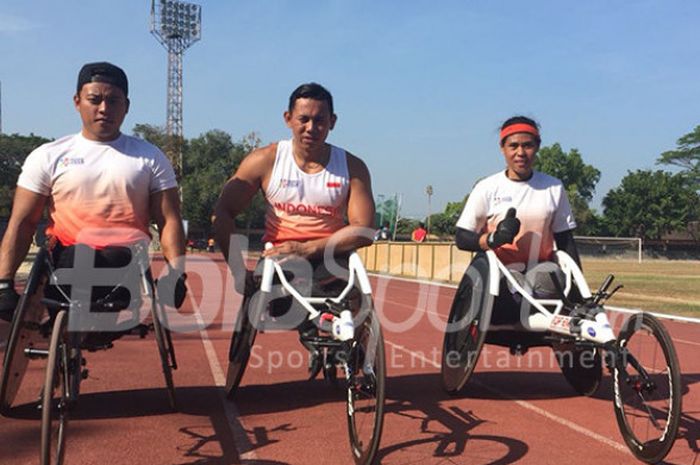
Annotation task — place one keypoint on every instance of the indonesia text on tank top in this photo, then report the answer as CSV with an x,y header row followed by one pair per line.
x,y
304,206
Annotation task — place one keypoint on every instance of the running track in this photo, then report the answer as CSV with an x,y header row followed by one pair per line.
x,y
514,409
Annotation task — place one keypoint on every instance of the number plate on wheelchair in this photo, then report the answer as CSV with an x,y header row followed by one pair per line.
x,y
560,323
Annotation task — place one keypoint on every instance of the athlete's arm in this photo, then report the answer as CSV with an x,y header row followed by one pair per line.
x,y
27,207
360,228
237,194
565,241
165,210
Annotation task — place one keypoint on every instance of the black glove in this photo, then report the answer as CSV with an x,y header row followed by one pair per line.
x,y
172,288
505,231
8,299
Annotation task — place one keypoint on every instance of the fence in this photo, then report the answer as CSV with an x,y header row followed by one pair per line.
x,y
441,261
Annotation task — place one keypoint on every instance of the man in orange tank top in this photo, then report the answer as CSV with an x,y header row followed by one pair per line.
x,y
304,215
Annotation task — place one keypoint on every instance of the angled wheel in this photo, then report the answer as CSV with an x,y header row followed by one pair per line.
x,y
55,399
647,388
24,332
242,341
466,326
165,350
366,374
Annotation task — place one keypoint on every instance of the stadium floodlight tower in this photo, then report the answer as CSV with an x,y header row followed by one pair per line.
x,y
177,25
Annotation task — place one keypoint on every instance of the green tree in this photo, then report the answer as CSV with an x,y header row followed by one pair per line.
x,y
14,149
444,223
209,160
686,156
579,180
649,204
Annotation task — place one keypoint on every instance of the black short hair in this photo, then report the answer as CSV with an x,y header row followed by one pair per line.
x,y
313,91
103,71
520,120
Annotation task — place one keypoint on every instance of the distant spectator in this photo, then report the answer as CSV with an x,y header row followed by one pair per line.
x,y
210,244
382,234
419,234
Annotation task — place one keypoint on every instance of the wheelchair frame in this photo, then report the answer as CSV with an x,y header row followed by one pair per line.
x,y
363,380
585,327
32,324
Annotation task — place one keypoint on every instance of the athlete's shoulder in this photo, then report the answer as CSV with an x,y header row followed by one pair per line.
x,y
545,180
356,167
262,155
258,163
141,146
491,181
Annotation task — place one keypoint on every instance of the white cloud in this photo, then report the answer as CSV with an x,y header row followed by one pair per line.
x,y
10,23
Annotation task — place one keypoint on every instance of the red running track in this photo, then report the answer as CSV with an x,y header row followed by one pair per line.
x,y
514,409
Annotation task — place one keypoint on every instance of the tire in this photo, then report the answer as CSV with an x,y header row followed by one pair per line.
x,y
242,341
165,351
466,326
581,366
55,398
653,391
365,389
24,331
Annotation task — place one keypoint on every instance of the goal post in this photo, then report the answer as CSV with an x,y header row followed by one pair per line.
x,y
611,247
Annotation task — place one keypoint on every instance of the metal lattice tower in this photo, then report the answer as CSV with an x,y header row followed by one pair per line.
x,y
177,25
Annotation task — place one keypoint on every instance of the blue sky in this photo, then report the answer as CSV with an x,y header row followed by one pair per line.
x,y
420,87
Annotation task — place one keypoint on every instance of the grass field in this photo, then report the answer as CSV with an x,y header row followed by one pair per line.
x,y
665,286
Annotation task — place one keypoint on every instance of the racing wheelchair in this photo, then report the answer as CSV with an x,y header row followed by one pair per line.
x,y
341,331
641,358
44,327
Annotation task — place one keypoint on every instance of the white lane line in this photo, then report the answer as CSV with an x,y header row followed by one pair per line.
x,y
240,437
527,405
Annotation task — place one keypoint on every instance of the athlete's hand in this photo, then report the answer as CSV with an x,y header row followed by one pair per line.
x,y
8,299
505,231
172,288
287,248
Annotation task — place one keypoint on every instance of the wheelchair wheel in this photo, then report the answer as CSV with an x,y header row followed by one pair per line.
x,y
366,373
466,326
581,366
165,350
242,341
647,388
55,397
24,332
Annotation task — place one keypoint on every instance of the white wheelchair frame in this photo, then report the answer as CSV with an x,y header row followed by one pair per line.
x,y
356,270
598,331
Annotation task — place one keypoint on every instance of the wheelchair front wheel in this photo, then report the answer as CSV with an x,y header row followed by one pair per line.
x,y
242,341
647,388
365,375
467,325
55,399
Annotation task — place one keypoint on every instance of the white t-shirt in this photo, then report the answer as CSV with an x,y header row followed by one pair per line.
x,y
541,206
303,206
98,191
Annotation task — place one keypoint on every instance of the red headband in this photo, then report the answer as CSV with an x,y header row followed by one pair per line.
x,y
519,127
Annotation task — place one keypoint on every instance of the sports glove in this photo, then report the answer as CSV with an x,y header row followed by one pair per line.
x,y
8,299
172,288
505,232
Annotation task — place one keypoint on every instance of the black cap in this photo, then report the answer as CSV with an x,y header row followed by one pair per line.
x,y
103,72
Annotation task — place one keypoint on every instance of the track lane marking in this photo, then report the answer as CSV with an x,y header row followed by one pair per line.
x,y
562,421
240,437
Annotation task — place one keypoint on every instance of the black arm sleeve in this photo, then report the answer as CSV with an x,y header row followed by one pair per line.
x,y
467,240
565,242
